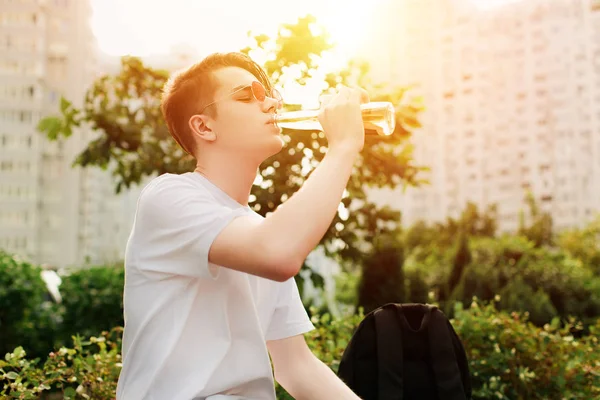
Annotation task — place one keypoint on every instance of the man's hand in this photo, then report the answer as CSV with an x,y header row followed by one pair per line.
x,y
341,118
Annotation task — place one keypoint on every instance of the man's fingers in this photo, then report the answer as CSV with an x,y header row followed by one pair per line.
x,y
364,96
325,99
345,93
355,96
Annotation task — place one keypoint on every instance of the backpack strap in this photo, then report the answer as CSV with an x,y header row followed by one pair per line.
x,y
389,353
448,378
422,310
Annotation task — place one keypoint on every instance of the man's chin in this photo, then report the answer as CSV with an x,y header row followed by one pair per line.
x,y
274,147
278,145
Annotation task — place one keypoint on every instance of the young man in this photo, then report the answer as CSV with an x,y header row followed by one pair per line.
x,y
209,289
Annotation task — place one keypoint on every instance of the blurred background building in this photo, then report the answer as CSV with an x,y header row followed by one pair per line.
x,y
512,93
49,212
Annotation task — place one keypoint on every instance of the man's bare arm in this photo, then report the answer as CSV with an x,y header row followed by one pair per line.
x,y
276,247
302,374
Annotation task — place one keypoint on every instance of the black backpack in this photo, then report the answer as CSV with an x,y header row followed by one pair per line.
x,y
406,352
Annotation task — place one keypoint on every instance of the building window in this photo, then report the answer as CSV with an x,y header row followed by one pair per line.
x,y
6,166
25,116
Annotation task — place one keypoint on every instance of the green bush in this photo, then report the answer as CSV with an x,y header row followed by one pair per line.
x,y
87,370
26,317
544,281
509,358
519,296
382,278
583,244
416,287
346,288
92,300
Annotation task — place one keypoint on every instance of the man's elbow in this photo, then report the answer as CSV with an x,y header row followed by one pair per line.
x,y
282,266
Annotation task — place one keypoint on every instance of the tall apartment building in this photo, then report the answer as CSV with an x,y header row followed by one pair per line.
x,y
50,212
513,103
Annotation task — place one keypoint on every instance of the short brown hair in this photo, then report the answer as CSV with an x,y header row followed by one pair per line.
x,y
186,91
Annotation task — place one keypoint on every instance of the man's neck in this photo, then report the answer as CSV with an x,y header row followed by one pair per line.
x,y
234,177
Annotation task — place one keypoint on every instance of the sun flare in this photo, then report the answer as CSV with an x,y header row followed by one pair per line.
x,y
346,26
204,26
121,28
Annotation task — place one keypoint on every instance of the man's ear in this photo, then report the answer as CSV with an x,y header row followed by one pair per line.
x,y
200,126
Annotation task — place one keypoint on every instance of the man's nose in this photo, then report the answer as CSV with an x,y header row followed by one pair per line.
x,y
270,104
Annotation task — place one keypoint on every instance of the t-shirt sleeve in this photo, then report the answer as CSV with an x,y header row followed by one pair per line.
x,y
175,226
290,317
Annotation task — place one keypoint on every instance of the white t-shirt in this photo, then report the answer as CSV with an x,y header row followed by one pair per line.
x,y
195,330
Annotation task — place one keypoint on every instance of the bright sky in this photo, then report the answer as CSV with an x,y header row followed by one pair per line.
x,y
142,27
489,4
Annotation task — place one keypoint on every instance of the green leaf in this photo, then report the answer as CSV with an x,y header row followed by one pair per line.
x,y
64,105
317,280
12,375
69,393
51,126
19,352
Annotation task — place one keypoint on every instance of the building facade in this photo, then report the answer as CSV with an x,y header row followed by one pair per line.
x,y
512,92
50,212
